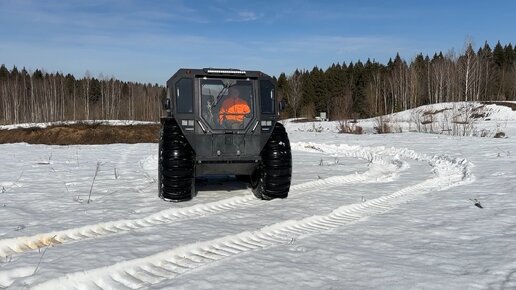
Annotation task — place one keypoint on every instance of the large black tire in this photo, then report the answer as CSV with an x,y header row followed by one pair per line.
x,y
272,177
176,167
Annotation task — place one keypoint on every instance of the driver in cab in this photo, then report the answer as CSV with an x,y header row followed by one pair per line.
x,y
233,110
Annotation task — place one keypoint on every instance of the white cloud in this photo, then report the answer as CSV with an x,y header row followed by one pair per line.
x,y
243,16
334,44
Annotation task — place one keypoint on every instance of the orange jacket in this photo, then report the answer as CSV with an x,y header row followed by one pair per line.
x,y
233,109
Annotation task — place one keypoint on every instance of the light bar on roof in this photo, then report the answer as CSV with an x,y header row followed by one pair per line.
x,y
225,71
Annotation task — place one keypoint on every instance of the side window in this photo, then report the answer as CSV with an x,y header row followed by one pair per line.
x,y
267,97
184,96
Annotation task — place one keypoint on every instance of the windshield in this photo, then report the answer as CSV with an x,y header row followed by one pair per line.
x,y
226,103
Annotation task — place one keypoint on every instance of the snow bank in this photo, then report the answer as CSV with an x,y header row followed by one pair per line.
x,y
466,118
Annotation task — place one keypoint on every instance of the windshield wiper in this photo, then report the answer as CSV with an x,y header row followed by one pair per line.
x,y
221,93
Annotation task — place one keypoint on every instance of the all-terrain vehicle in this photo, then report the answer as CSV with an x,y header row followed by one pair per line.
x,y
222,122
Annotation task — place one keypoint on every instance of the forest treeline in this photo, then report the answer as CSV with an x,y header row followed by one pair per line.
x,y
351,90
358,90
45,97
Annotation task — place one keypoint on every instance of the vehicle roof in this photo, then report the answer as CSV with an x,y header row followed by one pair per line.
x,y
219,72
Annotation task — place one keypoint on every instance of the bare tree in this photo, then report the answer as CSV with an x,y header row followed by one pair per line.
x,y
343,104
376,88
469,73
87,78
294,91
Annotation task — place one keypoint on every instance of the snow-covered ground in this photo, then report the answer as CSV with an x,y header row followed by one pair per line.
x,y
389,211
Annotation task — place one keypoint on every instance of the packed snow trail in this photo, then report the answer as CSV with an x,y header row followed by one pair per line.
x,y
143,272
379,171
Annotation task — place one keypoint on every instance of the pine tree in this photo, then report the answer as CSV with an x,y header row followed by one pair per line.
x,y
357,95
4,73
499,55
509,55
95,91
14,71
419,81
37,74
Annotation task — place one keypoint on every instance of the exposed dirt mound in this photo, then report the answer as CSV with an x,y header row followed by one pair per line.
x,y
303,120
83,134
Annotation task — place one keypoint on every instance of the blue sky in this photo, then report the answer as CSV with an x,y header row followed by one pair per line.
x,y
147,41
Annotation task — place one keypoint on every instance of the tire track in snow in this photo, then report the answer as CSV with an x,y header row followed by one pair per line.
x,y
9,276
378,171
143,272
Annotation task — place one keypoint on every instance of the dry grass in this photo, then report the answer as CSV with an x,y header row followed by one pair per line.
x,y
347,127
385,125
83,134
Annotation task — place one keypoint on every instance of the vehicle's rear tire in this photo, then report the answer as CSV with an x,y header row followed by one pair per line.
x,y
176,165
242,178
272,177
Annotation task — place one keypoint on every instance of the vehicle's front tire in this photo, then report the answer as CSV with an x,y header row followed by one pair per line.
x,y
272,177
176,165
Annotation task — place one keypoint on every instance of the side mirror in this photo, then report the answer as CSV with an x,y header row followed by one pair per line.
x,y
282,105
166,104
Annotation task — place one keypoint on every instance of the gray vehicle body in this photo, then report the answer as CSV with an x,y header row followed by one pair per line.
x,y
219,149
